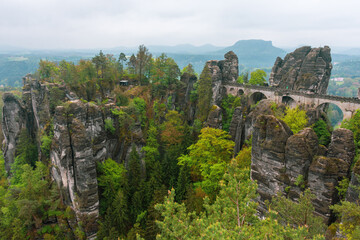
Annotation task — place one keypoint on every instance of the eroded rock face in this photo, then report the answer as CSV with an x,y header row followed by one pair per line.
x,y
300,150
280,158
268,156
323,177
221,72
342,145
352,194
306,69
214,118
13,121
183,100
73,158
230,67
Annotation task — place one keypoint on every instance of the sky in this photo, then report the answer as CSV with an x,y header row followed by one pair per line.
x,y
81,24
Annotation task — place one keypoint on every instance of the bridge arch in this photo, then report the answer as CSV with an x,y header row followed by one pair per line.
x,y
333,111
288,101
256,97
240,92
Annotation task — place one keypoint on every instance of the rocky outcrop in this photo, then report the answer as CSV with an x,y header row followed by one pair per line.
x,y
323,177
300,150
214,118
268,156
13,121
74,159
230,67
353,191
282,162
183,97
243,121
342,145
221,72
306,69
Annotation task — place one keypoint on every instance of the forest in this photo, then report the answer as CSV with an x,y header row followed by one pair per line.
x,y
186,182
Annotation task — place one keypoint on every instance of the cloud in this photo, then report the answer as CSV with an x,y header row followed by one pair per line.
x,y
110,23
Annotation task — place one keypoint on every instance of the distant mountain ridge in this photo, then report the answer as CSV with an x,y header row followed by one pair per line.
x,y
253,53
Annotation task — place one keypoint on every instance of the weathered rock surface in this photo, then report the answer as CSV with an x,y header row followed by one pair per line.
x,y
72,156
268,156
183,100
214,118
353,192
323,177
13,121
342,145
306,69
237,129
222,71
279,158
230,67
299,152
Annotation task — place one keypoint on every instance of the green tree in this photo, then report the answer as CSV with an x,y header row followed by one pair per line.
x,y
188,69
143,58
295,118
204,92
353,124
257,77
322,131
208,158
231,216
299,214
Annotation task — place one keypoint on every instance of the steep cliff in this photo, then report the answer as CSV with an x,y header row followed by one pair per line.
x,y
80,140
221,72
306,69
290,163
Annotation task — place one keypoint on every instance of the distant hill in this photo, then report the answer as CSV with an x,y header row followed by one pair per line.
x,y
255,53
17,62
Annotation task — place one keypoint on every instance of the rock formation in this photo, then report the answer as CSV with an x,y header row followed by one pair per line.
x,y
221,72
14,120
268,156
280,159
80,140
306,69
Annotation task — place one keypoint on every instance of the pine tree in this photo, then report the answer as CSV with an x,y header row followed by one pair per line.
x,y
204,94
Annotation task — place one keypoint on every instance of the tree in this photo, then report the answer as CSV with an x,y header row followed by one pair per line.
x,y
243,78
132,64
257,77
231,216
298,214
322,131
188,69
204,92
143,58
122,61
353,124
295,118
208,158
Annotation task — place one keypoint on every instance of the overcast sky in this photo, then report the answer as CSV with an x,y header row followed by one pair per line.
x,y
103,24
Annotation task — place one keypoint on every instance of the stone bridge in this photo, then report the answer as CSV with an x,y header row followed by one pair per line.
x,y
347,105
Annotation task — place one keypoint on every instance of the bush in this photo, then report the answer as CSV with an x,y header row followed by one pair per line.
x,y
321,130
295,118
109,125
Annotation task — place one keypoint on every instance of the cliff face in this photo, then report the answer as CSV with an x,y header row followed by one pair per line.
x,y
14,120
306,69
80,140
281,160
221,72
